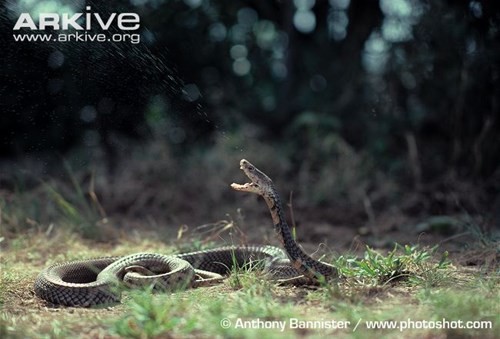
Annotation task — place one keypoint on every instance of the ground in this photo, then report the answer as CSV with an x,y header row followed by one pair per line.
x,y
444,270
246,304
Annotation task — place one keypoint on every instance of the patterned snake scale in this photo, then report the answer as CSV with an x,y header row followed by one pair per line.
x,y
92,282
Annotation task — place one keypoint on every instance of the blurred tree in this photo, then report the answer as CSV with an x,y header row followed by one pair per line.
x,y
415,83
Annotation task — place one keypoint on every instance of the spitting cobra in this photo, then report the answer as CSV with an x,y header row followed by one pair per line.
x,y
92,282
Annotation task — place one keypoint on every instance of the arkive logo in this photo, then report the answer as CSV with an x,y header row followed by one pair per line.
x,y
78,27
65,21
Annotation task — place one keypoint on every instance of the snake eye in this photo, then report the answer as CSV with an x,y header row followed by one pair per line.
x,y
250,168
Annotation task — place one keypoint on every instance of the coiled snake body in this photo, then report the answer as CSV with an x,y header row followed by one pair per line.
x,y
92,282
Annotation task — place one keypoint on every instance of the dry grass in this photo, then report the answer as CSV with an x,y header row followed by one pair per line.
x,y
24,315
152,202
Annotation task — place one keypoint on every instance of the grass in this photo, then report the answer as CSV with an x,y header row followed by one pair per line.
x,y
400,287
184,314
404,286
411,264
75,208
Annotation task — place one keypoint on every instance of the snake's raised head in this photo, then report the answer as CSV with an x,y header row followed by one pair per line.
x,y
260,183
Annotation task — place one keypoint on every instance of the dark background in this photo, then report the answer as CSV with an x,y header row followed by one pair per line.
x,y
362,108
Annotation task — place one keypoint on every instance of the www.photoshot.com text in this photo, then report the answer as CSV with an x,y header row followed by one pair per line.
x,y
345,325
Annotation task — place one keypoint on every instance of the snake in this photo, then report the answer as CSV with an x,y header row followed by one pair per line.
x,y
91,282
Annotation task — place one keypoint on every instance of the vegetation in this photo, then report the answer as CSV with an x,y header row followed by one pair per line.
x,y
398,80
377,121
420,288
404,286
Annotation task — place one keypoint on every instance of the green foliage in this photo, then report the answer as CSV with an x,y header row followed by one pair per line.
x,y
466,305
466,294
14,212
150,316
485,239
78,212
247,275
246,67
7,327
403,262
53,204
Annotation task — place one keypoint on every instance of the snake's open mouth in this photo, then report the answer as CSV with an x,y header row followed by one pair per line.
x,y
251,187
247,187
239,187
